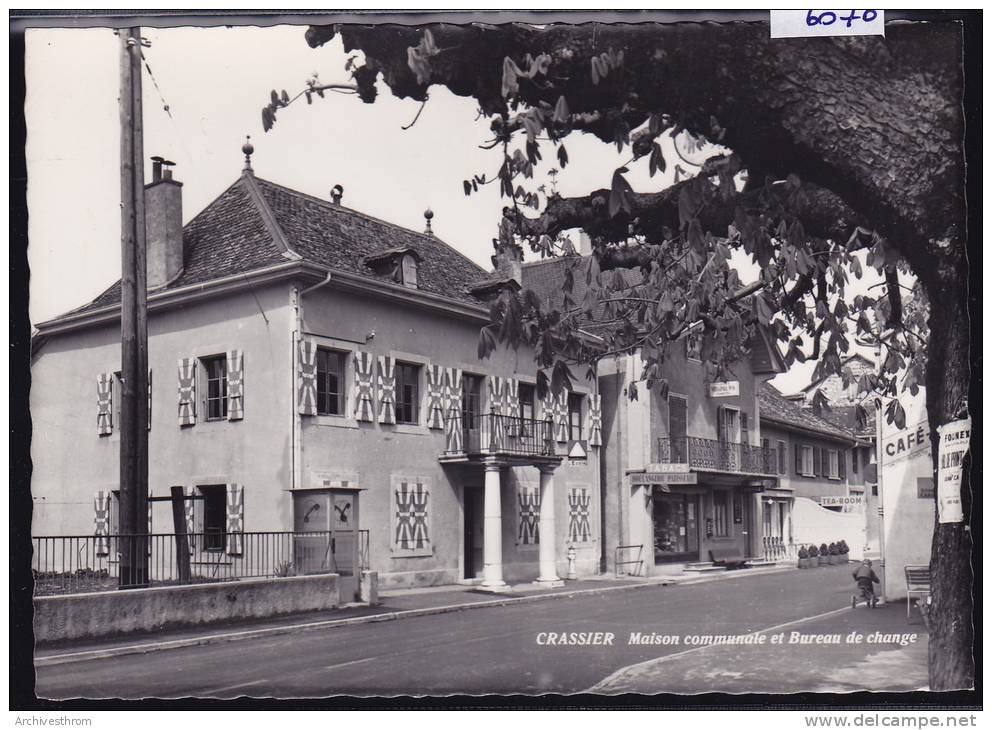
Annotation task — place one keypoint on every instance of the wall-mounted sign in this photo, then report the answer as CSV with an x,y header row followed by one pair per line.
x,y
727,389
667,468
663,478
954,439
924,487
577,453
906,443
852,500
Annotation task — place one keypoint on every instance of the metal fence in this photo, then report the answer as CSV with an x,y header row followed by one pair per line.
x,y
495,433
83,563
703,453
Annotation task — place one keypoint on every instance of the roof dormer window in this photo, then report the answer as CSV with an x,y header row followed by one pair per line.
x,y
399,264
408,271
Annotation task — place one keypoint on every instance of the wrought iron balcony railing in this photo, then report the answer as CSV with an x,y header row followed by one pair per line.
x,y
716,455
494,433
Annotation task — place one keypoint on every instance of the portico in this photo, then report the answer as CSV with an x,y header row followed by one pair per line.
x,y
496,446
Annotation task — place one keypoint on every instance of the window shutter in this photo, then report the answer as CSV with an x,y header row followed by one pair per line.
x,y
561,416
187,391
364,409
453,391
594,423
387,389
745,433
434,399
306,377
495,387
841,464
721,424
101,521
511,397
817,461
235,518
235,385
799,458
105,404
188,514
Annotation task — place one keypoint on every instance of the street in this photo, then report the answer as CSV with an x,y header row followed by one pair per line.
x,y
497,650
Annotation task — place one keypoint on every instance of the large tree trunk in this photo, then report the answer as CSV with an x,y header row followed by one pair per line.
x,y
952,631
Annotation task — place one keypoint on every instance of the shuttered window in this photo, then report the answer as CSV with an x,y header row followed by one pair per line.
x,y
574,416
330,382
781,457
407,393
215,372
678,416
214,515
471,400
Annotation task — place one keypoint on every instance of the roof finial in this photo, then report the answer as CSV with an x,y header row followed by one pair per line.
x,y
247,148
428,214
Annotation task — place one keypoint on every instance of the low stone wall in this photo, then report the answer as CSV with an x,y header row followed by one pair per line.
x,y
112,613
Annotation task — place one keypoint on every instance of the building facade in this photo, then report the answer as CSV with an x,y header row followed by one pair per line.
x,y
313,369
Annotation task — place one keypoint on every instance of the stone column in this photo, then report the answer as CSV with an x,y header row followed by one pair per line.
x,y
548,536
492,557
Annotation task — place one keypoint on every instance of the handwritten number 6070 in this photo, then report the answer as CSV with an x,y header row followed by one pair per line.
x,y
828,17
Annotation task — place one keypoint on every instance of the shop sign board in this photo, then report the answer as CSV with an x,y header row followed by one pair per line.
x,y
727,389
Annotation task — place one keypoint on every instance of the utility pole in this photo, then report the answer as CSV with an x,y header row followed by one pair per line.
x,y
134,323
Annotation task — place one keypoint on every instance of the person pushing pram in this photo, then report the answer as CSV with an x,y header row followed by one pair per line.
x,y
865,578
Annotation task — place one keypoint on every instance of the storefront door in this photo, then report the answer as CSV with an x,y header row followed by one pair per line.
x,y
676,527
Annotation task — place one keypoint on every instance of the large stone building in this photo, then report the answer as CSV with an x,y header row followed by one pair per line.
x,y
312,368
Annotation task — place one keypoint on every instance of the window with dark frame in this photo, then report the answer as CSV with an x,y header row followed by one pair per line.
x,y
407,393
215,372
330,382
471,400
574,416
781,457
214,515
678,416
694,347
720,513
525,396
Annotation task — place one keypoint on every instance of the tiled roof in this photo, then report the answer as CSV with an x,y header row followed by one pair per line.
x,y
547,279
340,238
776,407
230,237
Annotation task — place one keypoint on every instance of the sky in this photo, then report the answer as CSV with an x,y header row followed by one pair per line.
x,y
215,83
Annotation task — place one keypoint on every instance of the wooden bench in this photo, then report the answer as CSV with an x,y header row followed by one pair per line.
x,y
728,558
918,582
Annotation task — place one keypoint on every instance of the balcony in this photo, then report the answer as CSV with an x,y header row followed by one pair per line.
x,y
522,440
722,456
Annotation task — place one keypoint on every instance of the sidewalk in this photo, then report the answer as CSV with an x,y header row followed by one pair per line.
x,y
394,605
896,661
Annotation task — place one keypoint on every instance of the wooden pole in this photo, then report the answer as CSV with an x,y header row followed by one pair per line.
x,y
134,338
179,528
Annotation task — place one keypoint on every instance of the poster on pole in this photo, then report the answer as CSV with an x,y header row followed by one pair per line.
x,y
954,437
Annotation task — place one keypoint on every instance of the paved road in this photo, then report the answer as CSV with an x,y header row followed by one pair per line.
x,y
480,651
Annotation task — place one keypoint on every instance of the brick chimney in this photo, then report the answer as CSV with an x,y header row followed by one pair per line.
x,y
163,224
